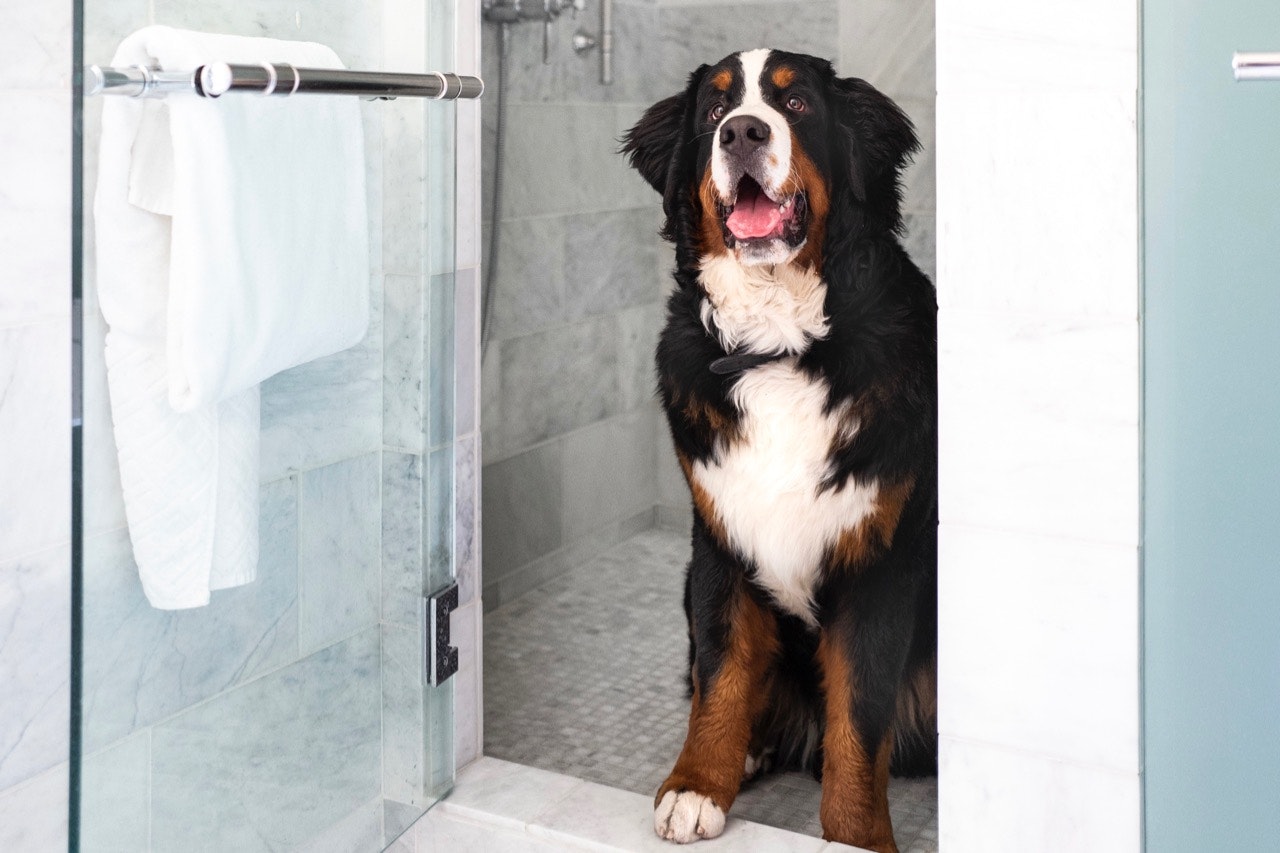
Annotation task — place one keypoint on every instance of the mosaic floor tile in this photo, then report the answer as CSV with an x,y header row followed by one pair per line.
x,y
584,675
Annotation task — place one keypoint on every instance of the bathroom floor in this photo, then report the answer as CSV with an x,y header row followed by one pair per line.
x,y
584,676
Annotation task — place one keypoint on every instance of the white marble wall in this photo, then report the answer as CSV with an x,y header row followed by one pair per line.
x,y
35,416
1038,362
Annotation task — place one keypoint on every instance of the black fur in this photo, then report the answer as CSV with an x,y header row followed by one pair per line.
x,y
881,352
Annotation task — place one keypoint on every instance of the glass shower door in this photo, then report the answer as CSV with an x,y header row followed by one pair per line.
x,y
295,711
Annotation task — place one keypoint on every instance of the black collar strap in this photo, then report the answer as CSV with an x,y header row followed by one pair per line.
x,y
740,361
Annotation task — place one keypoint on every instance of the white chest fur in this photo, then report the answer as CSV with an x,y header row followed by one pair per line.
x,y
762,309
765,484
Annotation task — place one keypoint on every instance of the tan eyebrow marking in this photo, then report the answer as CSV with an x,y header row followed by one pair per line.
x,y
723,79
783,76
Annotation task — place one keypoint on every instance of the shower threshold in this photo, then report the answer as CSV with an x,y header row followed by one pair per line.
x,y
501,806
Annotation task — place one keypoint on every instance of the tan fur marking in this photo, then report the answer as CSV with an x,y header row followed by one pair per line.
x,y
871,537
703,503
720,723
855,785
783,76
711,237
723,79
805,176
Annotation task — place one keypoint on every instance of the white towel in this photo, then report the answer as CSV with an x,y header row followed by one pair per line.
x,y
232,244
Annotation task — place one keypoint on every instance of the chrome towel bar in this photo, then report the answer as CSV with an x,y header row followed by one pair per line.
x,y
1256,66
219,78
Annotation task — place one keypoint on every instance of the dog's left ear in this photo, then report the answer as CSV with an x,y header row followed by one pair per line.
x,y
877,139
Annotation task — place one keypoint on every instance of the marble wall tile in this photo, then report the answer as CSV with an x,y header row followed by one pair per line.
x,y
889,43
359,830
466,330
693,35
403,514
339,551
404,177
260,767
918,181
921,242
529,287
142,664
468,636
397,820
35,420
106,25
115,797
466,520
470,188
404,382
1074,148
328,409
35,44
35,662
673,490
558,380
638,330
35,207
440,359
353,31
991,798
608,261
402,714
1011,603
608,471
491,422
1039,425
33,815
522,509
564,160
438,531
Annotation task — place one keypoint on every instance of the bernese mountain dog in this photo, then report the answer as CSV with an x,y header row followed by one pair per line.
x,y
798,372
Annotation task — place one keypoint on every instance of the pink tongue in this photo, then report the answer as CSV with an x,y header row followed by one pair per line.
x,y
754,217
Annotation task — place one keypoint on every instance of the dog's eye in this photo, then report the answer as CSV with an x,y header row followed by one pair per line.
x,y
716,113
796,104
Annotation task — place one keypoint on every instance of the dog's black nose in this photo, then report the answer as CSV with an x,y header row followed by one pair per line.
x,y
741,135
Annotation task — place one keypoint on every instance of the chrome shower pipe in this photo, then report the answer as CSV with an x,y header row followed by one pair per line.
x,y
606,42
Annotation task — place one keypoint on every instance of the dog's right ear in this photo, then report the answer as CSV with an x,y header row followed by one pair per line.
x,y
653,144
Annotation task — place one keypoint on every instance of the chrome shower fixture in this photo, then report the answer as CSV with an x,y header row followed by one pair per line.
x,y
515,11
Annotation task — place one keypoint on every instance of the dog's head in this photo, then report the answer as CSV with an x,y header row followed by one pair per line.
x,y
753,154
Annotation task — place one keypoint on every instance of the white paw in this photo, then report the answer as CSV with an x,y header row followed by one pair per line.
x,y
687,816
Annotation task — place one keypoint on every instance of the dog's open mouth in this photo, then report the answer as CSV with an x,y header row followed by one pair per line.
x,y
755,215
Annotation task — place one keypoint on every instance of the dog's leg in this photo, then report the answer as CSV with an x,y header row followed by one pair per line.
x,y
862,652
735,638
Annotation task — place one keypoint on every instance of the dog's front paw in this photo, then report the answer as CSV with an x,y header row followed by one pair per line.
x,y
684,816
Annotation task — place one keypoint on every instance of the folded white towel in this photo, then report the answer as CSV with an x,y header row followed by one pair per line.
x,y
231,244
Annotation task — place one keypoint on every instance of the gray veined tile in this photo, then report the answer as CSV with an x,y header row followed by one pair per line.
x,y
890,43
609,473
35,454
529,287
440,359
609,261
465,524
438,530
339,550
402,714
521,510
33,815
261,767
360,830
404,394
558,380
638,330
142,664
467,346
403,568
328,409
115,797
35,661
